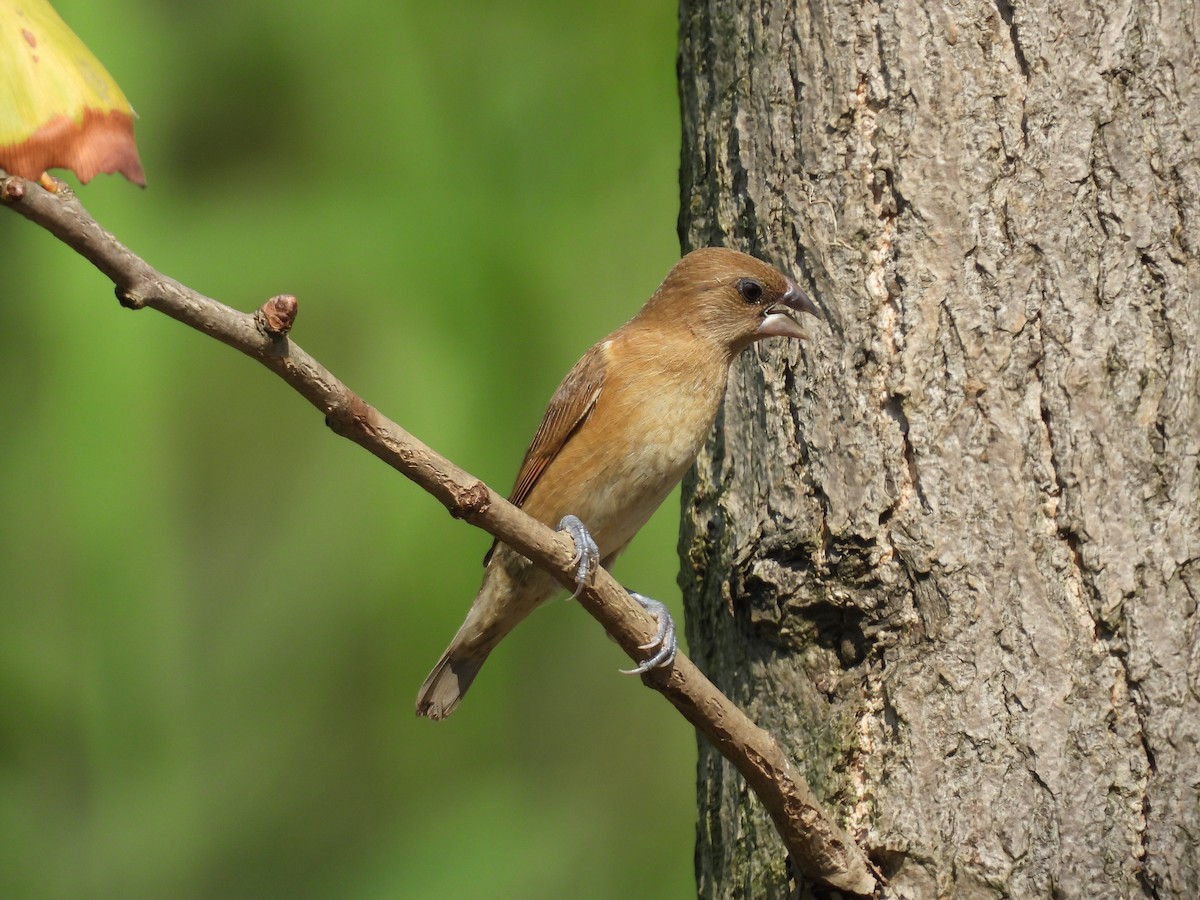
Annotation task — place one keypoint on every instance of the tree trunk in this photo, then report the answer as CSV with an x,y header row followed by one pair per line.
x,y
949,550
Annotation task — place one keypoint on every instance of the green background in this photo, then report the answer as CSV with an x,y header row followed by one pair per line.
x,y
216,613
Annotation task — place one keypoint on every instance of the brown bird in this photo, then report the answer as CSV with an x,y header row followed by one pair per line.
x,y
620,431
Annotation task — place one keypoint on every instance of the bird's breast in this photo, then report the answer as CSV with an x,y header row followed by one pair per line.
x,y
629,454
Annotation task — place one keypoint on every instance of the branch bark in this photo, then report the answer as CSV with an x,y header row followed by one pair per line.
x,y
819,848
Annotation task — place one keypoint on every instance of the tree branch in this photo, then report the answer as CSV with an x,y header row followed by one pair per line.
x,y
819,848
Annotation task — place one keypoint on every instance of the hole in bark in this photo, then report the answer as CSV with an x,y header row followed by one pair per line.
x,y
888,860
832,627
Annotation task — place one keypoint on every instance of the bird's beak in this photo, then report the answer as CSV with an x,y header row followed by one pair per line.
x,y
780,318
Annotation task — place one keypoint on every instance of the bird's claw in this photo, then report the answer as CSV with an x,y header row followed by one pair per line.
x,y
664,638
587,554
587,557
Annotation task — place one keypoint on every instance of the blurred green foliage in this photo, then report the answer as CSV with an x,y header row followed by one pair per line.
x,y
216,613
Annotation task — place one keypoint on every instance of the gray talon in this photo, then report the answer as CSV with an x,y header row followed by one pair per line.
x,y
587,554
664,638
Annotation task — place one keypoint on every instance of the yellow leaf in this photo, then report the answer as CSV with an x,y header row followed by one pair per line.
x,y
59,108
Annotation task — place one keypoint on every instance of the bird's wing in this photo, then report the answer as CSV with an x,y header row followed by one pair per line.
x,y
569,408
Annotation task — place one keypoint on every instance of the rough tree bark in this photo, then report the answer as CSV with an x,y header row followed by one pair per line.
x,y
949,552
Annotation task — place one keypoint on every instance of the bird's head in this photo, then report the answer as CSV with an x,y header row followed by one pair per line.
x,y
730,299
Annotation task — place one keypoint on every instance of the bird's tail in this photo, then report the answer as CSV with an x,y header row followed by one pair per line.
x,y
449,680
511,590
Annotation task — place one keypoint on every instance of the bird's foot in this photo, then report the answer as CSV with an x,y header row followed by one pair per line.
x,y
587,554
664,639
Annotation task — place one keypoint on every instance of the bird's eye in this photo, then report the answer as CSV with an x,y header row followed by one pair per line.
x,y
750,290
